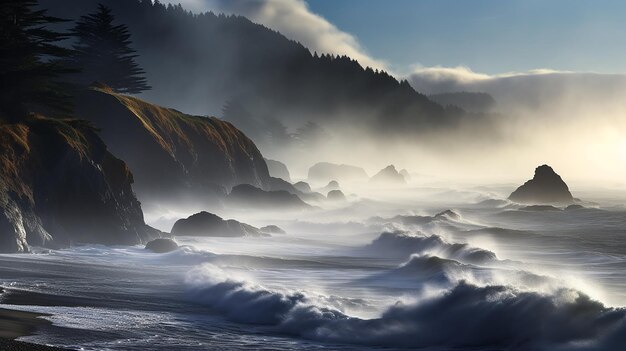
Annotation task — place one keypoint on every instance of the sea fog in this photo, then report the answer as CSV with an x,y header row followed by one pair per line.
x,y
413,267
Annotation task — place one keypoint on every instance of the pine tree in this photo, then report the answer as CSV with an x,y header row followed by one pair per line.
x,y
30,61
104,54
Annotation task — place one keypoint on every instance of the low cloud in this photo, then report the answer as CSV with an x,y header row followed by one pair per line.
x,y
295,20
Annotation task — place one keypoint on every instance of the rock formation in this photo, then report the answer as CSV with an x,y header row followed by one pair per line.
x,y
303,187
388,175
209,224
173,155
406,175
336,195
60,185
546,187
161,245
272,229
248,196
278,169
325,172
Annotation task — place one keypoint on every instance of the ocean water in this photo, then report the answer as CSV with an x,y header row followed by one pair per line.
x,y
432,269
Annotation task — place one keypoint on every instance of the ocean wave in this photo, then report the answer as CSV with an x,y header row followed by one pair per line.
x,y
464,316
403,244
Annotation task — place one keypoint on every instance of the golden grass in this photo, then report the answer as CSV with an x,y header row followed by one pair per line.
x,y
171,128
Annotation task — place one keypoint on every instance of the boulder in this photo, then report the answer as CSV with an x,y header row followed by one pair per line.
x,y
209,224
161,245
546,187
336,195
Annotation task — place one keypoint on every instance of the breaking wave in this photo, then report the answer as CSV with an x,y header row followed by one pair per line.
x,y
464,316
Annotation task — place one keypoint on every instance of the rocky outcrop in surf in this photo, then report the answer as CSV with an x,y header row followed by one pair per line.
x,y
388,175
209,224
161,245
60,185
546,187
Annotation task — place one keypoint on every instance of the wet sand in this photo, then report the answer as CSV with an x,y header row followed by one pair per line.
x,y
15,324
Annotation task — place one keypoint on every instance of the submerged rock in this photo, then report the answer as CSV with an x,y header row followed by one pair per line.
x,y
209,224
574,207
162,245
546,187
388,175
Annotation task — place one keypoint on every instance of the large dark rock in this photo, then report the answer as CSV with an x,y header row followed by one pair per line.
x,y
278,169
332,185
336,195
162,245
245,195
324,172
209,224
173,156
546,187
278,184
60,185
388,175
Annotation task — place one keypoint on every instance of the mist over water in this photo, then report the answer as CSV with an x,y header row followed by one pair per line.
x,y
416,267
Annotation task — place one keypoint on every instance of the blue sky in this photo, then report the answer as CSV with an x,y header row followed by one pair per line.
x,y
490,36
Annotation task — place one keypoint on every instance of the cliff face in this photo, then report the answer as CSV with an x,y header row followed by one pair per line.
x,y
171,154
60,185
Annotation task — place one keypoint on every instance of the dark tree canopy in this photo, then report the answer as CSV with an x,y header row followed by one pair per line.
x,y
104,54
30,61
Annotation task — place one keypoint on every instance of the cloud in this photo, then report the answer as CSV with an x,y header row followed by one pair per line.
x,y
438,79
294,19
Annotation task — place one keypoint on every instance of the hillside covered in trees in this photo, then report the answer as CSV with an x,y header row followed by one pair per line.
x,y
263,82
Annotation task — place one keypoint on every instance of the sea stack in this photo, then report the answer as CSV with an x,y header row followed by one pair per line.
x,y
388,175
546,187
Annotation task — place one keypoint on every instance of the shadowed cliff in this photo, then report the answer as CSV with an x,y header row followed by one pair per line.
x,y
60,185
173,156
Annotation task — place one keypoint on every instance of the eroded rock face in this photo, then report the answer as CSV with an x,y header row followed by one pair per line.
x,y
303,187
209,224
59,185
278,169
162,245
195,158
546,187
